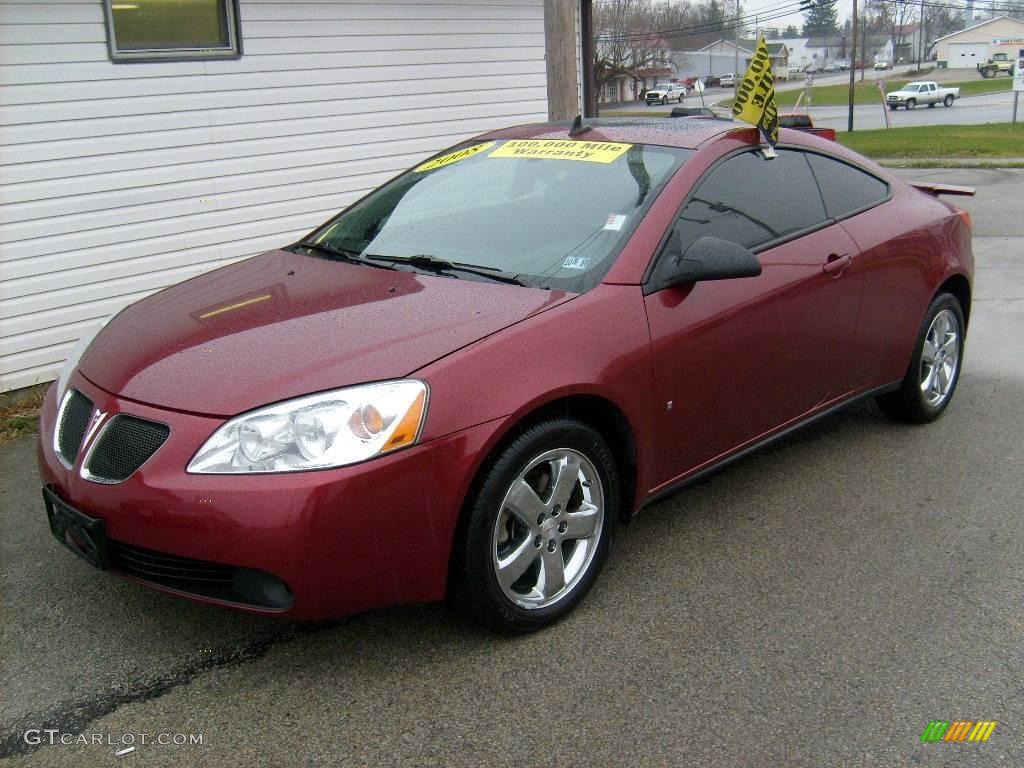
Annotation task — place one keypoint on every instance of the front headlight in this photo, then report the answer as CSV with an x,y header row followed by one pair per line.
x,y
330,429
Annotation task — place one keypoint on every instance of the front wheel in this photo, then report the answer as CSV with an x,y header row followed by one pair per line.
x,y
911,103
948,101
892,107
664,100
934,368
681,98
538,529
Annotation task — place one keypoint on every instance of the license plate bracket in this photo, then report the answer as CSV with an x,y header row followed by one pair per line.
x,y
85,536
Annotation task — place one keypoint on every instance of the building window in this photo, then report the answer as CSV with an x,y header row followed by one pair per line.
x,y
177,30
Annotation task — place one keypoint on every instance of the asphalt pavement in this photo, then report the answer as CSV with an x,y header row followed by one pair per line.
x,y
970,110
816,604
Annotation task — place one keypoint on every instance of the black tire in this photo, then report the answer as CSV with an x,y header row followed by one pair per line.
x,y
931,104
664,100
475,586
908,402
893,107
948,101
911,103
681,97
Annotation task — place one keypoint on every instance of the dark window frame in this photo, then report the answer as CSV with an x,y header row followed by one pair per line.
x,y
843,161
649,274
139,56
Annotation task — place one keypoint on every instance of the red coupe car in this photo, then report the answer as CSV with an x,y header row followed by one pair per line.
x,y
462,383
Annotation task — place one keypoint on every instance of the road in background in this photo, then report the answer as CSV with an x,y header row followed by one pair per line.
x,y
816,604
970,110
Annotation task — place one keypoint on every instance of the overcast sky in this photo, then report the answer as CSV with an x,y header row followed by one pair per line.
x,y
845,7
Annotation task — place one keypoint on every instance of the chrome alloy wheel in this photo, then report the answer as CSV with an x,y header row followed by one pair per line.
x,y
548,529
940,358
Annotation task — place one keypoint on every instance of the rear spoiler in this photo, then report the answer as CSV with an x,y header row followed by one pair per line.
x,y
942,189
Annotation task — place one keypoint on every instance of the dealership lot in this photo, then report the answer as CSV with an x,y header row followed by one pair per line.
x,y
816,604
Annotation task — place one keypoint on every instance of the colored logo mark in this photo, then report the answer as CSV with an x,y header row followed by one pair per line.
x,y
958,730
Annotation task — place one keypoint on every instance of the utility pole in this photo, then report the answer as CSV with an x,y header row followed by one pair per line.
x,y
736,65
560,52
853,68
863,42
921,37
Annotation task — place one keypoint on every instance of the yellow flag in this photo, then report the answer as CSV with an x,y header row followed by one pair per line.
x,y
755,97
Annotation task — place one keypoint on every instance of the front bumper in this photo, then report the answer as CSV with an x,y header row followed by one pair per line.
x,y
342,540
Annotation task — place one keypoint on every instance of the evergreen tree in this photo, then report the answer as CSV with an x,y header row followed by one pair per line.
x,y
822,19
791,31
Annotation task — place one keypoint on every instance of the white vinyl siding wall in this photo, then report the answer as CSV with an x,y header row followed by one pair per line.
x,y
120,179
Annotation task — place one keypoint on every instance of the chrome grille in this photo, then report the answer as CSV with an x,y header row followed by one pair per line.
x,y
73,420
124,445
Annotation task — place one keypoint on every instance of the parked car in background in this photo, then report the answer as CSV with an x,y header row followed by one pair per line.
x,y
921,92
728,79
882,64
460,384
665,92
801,121
712,82
705,113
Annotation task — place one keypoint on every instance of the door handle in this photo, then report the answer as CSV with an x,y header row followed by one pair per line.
x,y
836,264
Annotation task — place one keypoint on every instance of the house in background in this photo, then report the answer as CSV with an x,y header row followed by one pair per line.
x,y
966,48
796,50
716,60
824,50
656,66
906,44
876,48
145,143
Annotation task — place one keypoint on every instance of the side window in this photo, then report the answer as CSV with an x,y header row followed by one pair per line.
x,y
751,201
846,190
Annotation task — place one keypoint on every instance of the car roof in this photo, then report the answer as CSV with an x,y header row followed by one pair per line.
x,y
681,132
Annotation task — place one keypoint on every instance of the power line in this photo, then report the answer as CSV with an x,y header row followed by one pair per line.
x,y
726,23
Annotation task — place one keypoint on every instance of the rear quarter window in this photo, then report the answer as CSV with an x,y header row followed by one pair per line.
x,y
846,190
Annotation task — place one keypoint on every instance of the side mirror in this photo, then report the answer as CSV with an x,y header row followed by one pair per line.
x,y
707,258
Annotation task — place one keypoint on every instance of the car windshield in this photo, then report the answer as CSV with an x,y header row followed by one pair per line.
x,y
548,213
913,86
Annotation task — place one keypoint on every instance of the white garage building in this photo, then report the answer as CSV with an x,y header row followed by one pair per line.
x,y
969,47
145,141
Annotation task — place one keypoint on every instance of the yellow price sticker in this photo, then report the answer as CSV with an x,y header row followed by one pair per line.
x,y
559,149
453,157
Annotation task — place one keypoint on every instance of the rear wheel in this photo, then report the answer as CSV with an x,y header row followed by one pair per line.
x,y
934,368
948,101
538,530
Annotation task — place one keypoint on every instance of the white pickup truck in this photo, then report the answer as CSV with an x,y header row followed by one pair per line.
x,y
921,92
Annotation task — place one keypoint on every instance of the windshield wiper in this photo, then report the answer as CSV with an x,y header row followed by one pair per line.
x,y
440,266
341,254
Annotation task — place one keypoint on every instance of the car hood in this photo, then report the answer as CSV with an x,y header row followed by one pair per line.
x,y
281,325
